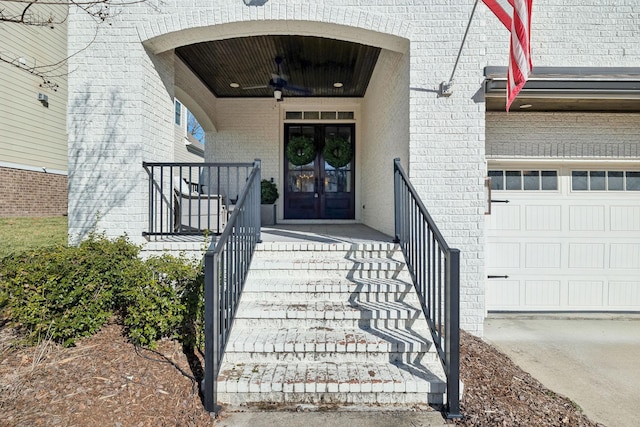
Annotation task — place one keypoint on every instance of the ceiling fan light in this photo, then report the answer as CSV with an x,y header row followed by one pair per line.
x,y
277,94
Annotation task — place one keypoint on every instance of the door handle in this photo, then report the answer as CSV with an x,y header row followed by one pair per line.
x,y
497,277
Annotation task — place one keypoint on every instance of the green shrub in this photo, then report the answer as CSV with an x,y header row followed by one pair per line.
x,y
166,303
268,192
71,292
67,291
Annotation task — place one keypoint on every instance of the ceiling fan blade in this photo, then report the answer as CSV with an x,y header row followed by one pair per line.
x,y
281,77
255,87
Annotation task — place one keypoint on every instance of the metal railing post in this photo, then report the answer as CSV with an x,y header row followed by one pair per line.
x,y
435,272
396,199
211,330
226,267
258,165
452,334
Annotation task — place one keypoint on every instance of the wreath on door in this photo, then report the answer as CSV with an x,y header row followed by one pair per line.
x,y
301,150
337,152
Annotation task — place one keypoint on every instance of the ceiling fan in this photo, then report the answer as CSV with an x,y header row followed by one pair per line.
x,y
279,83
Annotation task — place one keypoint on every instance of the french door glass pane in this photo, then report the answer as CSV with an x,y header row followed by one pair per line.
x,y
337,181
301,180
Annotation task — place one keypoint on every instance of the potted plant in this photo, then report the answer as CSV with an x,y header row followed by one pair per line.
x,y
268,196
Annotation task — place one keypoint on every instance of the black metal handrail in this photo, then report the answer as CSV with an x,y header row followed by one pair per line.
x,y
435,270
193,198
226,265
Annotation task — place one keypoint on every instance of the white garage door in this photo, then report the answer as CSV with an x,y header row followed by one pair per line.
x,y
567,240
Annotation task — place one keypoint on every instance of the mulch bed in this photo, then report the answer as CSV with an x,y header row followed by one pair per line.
x,y
107,381
498,393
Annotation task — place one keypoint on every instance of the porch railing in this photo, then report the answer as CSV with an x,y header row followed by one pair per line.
x,y
226,264
435,269
193,198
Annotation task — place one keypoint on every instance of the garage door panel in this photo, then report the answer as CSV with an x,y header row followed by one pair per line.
x,y
586,218
504,294
542,293
625,256
542,255
564,249
585,293
543,218
625,218
504,255
624,294
586,255
505,217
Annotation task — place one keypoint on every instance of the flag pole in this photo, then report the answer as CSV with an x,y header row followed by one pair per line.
x,y
446,88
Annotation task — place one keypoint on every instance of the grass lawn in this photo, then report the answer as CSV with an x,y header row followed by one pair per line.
x,y
19,234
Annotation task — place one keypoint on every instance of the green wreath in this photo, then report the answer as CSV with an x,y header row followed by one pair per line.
x,y
301,150
337,152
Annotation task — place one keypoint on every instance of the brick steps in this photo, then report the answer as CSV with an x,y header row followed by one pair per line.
x,y
329,310
326,344
335,323
329,382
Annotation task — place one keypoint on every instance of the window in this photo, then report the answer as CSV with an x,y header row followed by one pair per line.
x,y
633,181
178,112
194,128
599,180
615,180
524,180
319,115
549,180
497,180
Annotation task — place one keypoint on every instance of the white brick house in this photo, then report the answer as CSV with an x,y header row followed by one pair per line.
x,y
123,85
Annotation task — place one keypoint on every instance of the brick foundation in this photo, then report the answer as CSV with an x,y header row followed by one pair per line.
x,y
32,194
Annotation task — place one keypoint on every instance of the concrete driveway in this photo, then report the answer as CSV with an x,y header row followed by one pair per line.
x,y
594,360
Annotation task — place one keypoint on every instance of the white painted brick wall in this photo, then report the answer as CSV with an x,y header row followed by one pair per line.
x,y
563,135
120,106
247,130
385,136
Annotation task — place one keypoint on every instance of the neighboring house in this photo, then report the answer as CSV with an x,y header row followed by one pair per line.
x,y
33,136
566,156
33,107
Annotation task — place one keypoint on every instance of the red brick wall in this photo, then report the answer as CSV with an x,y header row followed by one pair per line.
x,y
34,194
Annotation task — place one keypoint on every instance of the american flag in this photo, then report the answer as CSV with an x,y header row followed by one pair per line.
x,y
515,15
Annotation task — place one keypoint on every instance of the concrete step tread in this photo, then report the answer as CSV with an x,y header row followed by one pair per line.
x,y
329,377
323,284
357,256
327,340
327,310
326,247
325,264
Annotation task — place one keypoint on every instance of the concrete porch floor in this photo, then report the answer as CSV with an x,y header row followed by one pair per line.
x,y
322,233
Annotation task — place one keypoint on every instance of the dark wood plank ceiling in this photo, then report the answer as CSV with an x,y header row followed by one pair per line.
x,y
312,63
